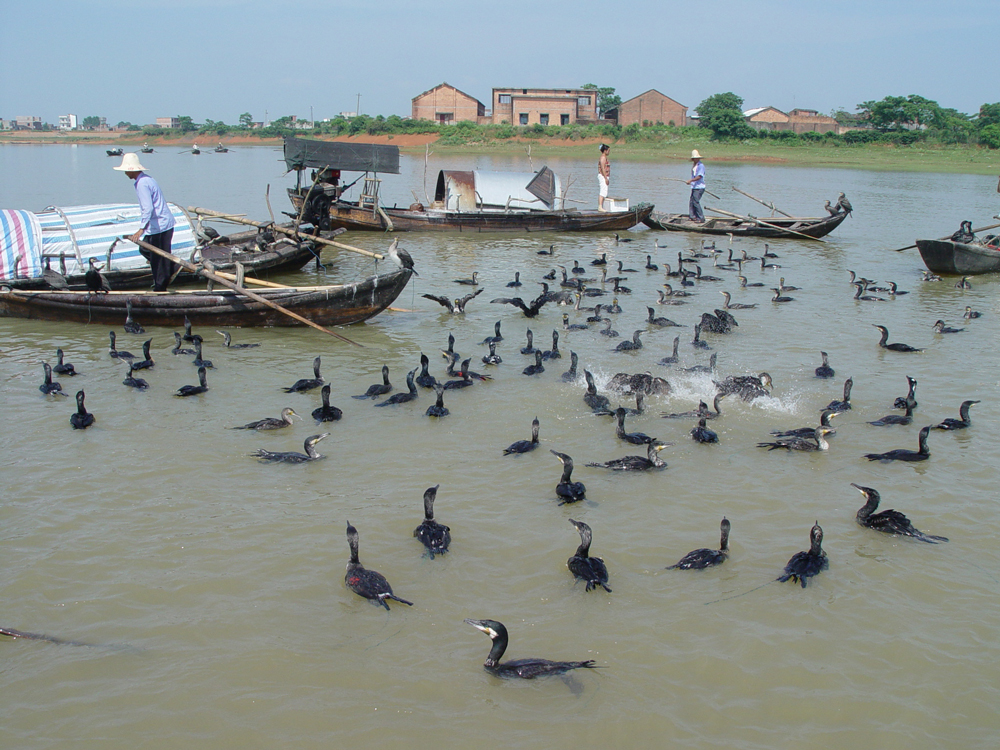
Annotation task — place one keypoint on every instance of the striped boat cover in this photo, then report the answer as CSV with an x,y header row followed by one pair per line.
x,y
20,244
83,232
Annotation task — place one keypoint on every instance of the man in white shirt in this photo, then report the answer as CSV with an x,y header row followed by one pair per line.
x,y
697,183
156,222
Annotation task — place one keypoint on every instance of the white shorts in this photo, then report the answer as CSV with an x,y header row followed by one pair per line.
x,y
602,185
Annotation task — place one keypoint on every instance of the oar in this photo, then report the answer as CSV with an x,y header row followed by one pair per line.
x,y
236,288
675,179
974,231
283,230
765,205
766,224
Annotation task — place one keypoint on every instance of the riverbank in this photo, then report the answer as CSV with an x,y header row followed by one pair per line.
x,y
880,157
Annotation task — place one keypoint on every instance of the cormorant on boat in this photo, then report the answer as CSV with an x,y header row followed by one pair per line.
x,y
94,279
652,460
492,358
704,369
844,405
178,349
597,403
843,204
701,434
367,583
957,424
524,446
194,390
778,297
734,306
401,257
54,279
809,432
326,413
516,282
48,387
585,567
824,370
63,368
747,387
379,389
118,354
402,398
635,343
940,327
568,490
82,419
804,565
893,347
309,446
537,368
147,362
496,338
608,330
570,375
438,409
891,419
888,521
553,353
910,400
433,535
529,311
970,313
635,438
525,669
661,322
902,454
455,306
833,211
425,379
816,443
673,358
130,325
271,423
307,384
228,339
696,342
705,558
468,282
132,382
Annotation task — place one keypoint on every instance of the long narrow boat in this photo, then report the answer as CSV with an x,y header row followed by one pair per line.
x,y
332,305
960,259
781,227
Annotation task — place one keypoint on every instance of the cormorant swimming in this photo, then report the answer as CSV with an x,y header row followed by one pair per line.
x,y
734,305
635,438
570,375
661,322
228,339
957,424
888,521
779,297
805,565
271,423
583,566
902,454
516,282
567,326
970,314
198,361
964,283
652,460
62,368
147,363
492,358
553,353
525,669
309,446
701,434
130,325
672,358
378,389
425,379
568,490
747,387
807,432
178,349
627,346
910,400
607,330
696,342
188,336
530,348
495,339
468,282
455,306
816,443
438,409
82,419
326,413
596,402
891,419
844,405
524,446
824,370
705,558
433,535
307,384
116,353
893,347
194,390
536,369
367,583
131,382
402,398
940,327
50,388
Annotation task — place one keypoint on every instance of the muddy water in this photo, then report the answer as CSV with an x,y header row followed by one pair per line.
x,y
212,586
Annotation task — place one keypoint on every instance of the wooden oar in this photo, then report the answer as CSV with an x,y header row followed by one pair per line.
x,y
766,224
974,231
765,205
289,232
676,179
255,282
236,288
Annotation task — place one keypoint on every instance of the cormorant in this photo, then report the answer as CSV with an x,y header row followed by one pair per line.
x,y
910,400
902,454
54,279
530,348
438,409
529,311
326,413
455,306
778,297
619,240
607,330
970,313
673,358
130,325
891,419
652,460
893,347
888,521
583,566
940,327
83,418
567,326
516,282
570,375
433,535
661,322
402,398
526,669
807,432
495,339
271,423
597,403
635,438
816,443
188,336
524,446
94,279
309,446
131,382
568,490
118,354
805,565
844,204
48,387
425,379
178,349
696,342
550,251
147,362
747,387
650,265
614,308
596,317
734,306
535,369
367,583
844,405
198,361
194,390
228,339
713,324
785,288
704,369
627,346
401,257
468,282
553,353
62,368
465,378
492,358
379,389
701,434
602,261
824,370
859,288
744,284
964,283
957,424
705,558
764,265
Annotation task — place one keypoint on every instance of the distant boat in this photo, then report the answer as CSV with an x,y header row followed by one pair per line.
x,y
195,150
220,149
115,152
146,148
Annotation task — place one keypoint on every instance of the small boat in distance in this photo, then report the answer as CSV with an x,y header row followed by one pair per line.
x,y
774,227
220,149
146,148
115,152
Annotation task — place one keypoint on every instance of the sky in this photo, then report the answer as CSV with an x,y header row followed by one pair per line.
x,y
136,60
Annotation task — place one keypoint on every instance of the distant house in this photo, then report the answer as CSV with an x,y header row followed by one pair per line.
x,y
444,103
6,124
797,121
650,108
24,122
544,106
68,122
168,122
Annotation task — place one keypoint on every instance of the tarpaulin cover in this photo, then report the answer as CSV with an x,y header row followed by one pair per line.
x,y
301,153
20,244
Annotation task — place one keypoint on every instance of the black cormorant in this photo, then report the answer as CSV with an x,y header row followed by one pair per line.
x,y
530,347
401,257
696,342
516,282
910,399
806,444
492,358
568,490
116,353
971,314
651,460
367,583
805,565
194,390
888,521
554,352
433,535
94,279
957,424
525,669
425,379
893,347
130,325
326,413
468,282
734,305
438,409
747,387
672,358
63,368
807,432
402,398
198,361
292,457
893,419
583,566
628,346
635,438
570,375
902,454
455,306
596,402
496,338
228,339
179,349
132,382
82,419
824,370
271,423
701,434
378,389
530,311
844,405
536,369
705,558
50,388
524,446
147,363
940,327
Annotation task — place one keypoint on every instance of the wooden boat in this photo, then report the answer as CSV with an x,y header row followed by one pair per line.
x,y
115,152
331,305
782,227
948,257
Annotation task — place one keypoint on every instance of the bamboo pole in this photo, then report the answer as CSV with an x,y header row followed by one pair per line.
x,y
677,179
980,229
288,232
255,282
765,205
761,221
236,288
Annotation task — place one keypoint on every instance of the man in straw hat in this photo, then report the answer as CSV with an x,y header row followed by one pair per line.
x,y
697,183
156,222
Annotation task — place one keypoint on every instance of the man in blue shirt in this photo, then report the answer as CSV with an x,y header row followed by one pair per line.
x,y
697,183
156,221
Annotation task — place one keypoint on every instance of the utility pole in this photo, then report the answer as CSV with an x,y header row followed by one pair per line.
x,y
312,122
357,112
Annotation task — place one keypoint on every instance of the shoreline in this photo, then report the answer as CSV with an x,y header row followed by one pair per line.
x,y
940,159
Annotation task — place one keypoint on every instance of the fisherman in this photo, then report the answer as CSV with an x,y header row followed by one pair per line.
x,y
156,221
697,183
603,176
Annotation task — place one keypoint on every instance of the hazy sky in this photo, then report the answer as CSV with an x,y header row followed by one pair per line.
x,y
136,60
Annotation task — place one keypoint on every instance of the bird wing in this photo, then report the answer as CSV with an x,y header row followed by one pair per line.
x,y
443,301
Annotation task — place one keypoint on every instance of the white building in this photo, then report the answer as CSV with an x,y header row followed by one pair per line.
x,y
68,122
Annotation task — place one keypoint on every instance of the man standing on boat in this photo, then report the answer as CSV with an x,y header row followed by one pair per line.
x,y
697,183
156,222
603,176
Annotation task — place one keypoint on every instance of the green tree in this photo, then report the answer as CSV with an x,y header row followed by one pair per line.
x,y
185,124
723,115
246,120
606,97
989,114
92,121
989,136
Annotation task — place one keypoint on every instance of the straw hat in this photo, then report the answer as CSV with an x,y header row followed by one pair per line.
x,y
694,155
130,163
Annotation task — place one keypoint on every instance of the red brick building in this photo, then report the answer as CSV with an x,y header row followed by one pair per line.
x,y
444,103
544,106
650,108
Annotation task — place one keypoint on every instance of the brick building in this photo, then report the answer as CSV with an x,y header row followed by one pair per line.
x,y
544,106
444,103
650,108
798,121
168,122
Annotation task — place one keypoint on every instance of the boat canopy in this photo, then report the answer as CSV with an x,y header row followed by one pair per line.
x,y
77,233
473,191
302,153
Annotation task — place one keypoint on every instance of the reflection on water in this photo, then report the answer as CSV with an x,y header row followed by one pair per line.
x,y
155,528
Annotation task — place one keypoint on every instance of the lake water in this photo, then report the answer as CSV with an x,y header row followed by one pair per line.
x,y
213,585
